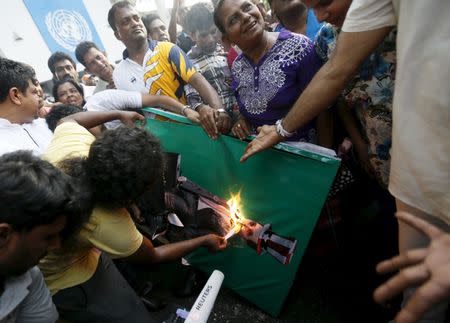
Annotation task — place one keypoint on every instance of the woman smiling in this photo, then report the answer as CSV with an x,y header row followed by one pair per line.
x,y
271,72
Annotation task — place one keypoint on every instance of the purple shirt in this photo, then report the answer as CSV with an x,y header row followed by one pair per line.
x,y
266,91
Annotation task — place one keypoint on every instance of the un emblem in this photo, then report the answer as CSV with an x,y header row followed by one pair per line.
x,y
68,28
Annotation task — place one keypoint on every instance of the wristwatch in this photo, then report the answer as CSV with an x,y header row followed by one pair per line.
x,y
196,105
281,131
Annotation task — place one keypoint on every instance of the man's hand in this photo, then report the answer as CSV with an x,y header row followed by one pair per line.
x,y
427,268
208,120
192,115
129,118
267,137
241,128
223,122
214,243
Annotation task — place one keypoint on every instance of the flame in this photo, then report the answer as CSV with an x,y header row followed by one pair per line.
x,y
236,216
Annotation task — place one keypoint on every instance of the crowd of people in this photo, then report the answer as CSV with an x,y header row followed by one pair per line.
x,y
360,77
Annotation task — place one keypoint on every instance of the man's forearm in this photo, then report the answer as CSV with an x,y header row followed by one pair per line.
x,y
323,90
162,101
173,23
206,91
90,119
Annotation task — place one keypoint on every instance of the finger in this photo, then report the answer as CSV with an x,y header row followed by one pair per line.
x,y
226,125
194,117
421,301
223,242
233,131
213,120
241,132
211,124
249,151
237,130
405,278
142,119
421,225
207,127
409,258
219,125
141,122
246,129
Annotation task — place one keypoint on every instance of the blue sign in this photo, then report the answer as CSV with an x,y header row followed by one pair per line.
x,y
63,24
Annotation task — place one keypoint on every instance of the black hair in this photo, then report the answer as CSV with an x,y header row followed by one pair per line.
x,y
58,112
217,18
82,49
58,83
112,12
33,192
199,17
122,164
148,19
291,15
14,74
57,57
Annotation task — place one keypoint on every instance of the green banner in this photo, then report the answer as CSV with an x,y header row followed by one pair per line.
x,y
285,187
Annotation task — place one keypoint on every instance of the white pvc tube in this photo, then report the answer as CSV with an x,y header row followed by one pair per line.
x,y
204,303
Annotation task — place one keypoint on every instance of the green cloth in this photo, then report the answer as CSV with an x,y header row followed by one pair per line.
x,y
286,189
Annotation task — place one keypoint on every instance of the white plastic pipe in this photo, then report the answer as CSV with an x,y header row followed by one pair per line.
x,y
204,303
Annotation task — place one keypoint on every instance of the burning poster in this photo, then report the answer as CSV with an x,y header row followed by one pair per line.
x,y
193,211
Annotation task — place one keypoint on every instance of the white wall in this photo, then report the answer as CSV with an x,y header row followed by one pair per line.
x,y
15,21
98,11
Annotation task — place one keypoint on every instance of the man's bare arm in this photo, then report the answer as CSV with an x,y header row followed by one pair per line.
x,y
173,21
169,104
206,91
90,119
211,120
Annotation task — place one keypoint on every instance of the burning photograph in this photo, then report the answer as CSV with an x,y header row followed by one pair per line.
x,y
180,210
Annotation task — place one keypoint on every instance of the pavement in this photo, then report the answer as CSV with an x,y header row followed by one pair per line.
x,y
331,289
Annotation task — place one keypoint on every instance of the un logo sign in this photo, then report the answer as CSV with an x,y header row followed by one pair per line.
x,y
68,28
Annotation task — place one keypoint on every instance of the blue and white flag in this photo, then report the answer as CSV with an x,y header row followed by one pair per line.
x,y
63,24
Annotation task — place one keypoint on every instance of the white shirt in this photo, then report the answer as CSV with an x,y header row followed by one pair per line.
x,y
108,100
34,136
365,15
26,299
88,90
420,166
129,76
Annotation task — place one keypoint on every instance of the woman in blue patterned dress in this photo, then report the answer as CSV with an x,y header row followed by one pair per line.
x,y
272,71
